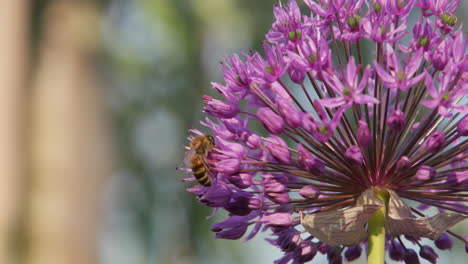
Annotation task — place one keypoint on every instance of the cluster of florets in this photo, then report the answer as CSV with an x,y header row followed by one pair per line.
x,y
300,133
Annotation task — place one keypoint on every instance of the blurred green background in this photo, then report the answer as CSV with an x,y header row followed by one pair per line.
x,y
96,99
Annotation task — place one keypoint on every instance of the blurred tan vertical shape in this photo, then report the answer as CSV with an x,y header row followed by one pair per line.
x,y
13,40
70,141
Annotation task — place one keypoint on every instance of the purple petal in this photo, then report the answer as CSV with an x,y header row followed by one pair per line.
x,y
365,99
332,102
383,74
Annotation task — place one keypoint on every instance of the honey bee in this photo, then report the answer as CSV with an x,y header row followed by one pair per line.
x,y
200,147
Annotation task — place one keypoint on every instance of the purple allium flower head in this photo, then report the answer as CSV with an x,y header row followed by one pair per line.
x,y
307,132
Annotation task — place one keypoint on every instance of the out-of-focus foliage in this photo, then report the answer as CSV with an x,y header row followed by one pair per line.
x,y
160,58
156,58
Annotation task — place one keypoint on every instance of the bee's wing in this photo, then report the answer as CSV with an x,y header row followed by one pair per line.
x,y
188,155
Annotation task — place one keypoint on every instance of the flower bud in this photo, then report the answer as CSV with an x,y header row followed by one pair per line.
x,y
305,252
296,76
353,253
334,255
219,108
363,135
272,183
277,220
251,140
227,166
235,125
216,196
403,163
425,173
231,149
323,248
396,121
308,162
444,242
279,198
435,142
241,180
255,203
411,257
440,57
241,203
309,192
270,120
232,228
396,251
232,233
277,147
274,189
288,239
289,113
457,178
426,252
462,126
354,154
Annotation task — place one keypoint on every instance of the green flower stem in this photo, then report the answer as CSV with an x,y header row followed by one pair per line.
x,y
376,230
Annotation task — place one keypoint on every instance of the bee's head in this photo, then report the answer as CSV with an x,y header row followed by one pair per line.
x,y
211,139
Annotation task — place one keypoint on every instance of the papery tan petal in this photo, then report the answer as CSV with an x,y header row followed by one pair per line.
x,y
345,227
431,227
368,197
397,208
401,222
